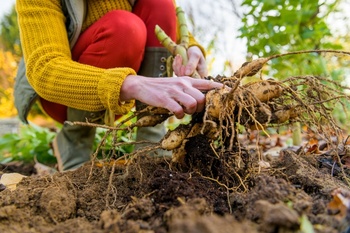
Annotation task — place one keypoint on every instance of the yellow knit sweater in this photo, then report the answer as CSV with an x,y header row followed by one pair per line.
x,y
50,69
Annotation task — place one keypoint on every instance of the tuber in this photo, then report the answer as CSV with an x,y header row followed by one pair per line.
x,y
285,114
214,101
250,68
179,153
264,90
151,110
174,138
150,120
207,129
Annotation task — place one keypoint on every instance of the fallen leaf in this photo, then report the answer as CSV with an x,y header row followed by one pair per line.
x,y
346,161
340,202
10,180
312,149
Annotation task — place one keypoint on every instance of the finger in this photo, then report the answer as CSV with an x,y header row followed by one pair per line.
x,y
202,68
191,64
177,65
205,85
176,108
188,103
198,97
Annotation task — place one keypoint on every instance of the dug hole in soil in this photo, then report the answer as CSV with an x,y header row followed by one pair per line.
x,y
152,194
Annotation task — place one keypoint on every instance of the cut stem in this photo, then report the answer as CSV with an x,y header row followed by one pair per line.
x,y
171,46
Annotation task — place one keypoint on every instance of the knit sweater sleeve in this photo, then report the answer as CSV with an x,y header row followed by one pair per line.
x,y
193,42
50,69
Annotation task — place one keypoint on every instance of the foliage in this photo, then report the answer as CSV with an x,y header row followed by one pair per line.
x,y
9,34
33,142
8,69
279,26
272,24
107,147
10,54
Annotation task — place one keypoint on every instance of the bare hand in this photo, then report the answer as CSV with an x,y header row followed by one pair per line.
x,y
196,61
179,95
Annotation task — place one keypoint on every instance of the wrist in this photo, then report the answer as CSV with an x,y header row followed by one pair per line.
x,y
129,88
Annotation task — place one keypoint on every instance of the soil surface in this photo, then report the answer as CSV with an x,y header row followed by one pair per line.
x,y
287,193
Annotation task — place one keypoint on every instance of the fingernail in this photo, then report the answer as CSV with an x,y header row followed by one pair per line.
x,y
188,71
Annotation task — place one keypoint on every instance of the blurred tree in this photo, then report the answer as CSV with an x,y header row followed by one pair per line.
x,y
8,69
279,26
10,54
9,34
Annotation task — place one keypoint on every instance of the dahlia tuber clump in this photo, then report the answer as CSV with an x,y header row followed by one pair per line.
x,y
238,107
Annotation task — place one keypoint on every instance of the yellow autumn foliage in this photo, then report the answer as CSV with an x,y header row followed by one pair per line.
x,y
8,70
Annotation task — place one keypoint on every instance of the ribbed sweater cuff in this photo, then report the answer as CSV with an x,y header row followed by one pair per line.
x,y
109,90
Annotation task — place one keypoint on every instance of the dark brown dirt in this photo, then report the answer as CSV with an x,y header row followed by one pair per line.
x,y
204,195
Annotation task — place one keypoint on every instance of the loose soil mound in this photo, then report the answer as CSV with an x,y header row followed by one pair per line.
x,y
153,195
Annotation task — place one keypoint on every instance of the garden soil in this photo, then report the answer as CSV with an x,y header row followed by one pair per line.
x,y
291,192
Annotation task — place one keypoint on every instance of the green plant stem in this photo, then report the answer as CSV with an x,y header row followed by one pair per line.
x,y
171,46
296,134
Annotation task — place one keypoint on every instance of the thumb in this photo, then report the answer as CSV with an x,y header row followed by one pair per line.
x,y
191,65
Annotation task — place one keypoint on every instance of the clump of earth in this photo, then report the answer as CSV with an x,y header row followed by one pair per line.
x,y
151,194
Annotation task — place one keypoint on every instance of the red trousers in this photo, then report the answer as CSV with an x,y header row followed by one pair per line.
x,y
119,39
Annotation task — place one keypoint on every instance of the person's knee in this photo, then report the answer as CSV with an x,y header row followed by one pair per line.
x,y
126,24
157,12
159,7
162,4
127,38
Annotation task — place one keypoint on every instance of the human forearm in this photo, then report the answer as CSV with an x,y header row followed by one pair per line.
x,y
179,95
50,69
